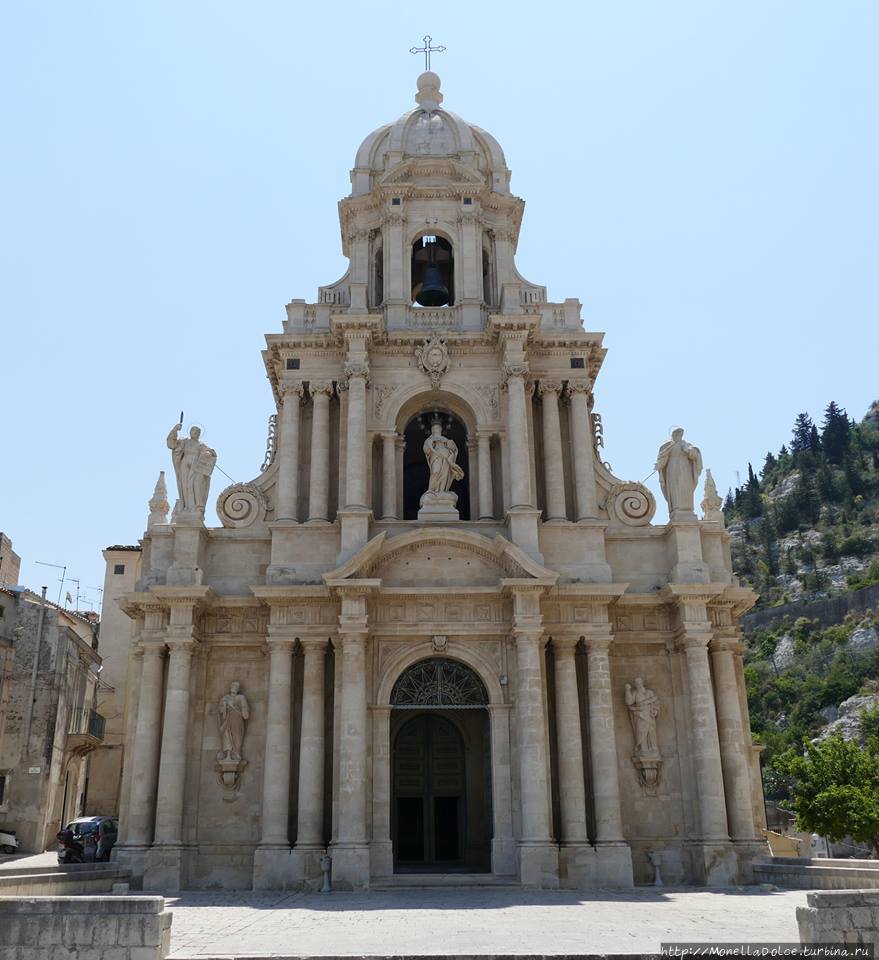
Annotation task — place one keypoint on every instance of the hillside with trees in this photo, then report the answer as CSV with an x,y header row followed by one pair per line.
x,y
806,527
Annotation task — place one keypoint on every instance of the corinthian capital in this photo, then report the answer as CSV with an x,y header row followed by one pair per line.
x,y
321,386
549,386
357,368
580,386
290,388
515,370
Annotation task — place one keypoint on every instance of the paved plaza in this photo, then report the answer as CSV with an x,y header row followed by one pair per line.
x,y
473,921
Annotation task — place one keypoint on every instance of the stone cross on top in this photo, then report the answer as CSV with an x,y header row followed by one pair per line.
x,y
427,50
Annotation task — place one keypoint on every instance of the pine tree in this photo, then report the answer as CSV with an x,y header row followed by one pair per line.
x,y
802,439
835,433
728,504
814,439
769,464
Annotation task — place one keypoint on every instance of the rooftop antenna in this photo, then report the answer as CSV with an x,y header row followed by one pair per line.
x,y
72,580
63,570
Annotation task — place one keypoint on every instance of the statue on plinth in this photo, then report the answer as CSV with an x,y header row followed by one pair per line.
x,y
679,465
643,707
194,463
438,502
232,715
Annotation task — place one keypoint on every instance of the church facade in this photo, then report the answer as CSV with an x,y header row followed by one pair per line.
x,y
436,634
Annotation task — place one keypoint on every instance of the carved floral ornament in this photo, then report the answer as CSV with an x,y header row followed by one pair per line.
x,y
433,358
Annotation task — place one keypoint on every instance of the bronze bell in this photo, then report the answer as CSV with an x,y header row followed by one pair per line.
x,y
433,292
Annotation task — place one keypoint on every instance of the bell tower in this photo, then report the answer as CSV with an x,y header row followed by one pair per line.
x,y
430,224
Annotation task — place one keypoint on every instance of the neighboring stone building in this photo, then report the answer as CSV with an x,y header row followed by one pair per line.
x,y
49,667
106,763
436,633
10,563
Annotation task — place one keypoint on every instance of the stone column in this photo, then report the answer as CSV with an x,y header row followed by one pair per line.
x,y
734,741
486,491
517,432
602,739
572,782
311,751
389,476
288,451
503,848
554,477
381,850
276,768
175,743
584,458
145,747
350,850
355,473
319,478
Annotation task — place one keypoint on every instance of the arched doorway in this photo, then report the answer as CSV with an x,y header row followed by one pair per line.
x,y
441,769
416,475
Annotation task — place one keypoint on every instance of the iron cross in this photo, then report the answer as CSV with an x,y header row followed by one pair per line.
x,y
427,50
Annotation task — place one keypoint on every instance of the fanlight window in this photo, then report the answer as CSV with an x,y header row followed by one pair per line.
x,y
439,682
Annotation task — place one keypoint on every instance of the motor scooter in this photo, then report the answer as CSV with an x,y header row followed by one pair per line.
x,y
69,849
8,841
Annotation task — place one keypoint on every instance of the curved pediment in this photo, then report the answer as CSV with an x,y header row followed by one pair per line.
x,y
433,171
441,557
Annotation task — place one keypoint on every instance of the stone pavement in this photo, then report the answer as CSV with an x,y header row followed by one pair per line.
x,y
473,921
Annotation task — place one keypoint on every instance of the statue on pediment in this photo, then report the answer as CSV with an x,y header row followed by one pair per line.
x,y
679,465
194,462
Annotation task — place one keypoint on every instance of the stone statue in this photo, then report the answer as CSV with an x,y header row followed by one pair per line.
x,y
232,716
194,463
643,707
441,453
679,465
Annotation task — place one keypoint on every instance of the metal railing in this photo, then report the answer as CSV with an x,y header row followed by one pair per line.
x,y
87,722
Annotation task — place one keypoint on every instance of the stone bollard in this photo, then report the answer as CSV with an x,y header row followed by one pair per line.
x,y
326,864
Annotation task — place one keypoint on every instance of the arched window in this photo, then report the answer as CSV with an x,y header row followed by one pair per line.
x,y
439,682
433,272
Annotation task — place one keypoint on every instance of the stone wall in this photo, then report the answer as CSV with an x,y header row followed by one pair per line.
x,y
827,612
840,917
68,880
86,928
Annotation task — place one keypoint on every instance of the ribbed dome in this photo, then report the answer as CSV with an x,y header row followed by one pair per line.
x,y
429,131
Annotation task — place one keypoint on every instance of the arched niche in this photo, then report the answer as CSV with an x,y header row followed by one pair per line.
x,y
416,474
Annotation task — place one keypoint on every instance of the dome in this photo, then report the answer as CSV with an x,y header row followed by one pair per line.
x,y
429,131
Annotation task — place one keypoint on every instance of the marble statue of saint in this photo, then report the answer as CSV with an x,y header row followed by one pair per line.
x,y
679,465
441,453
643,707
232,715
194,463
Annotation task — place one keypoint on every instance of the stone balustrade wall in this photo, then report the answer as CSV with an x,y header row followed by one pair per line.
x,y
840,916
84,928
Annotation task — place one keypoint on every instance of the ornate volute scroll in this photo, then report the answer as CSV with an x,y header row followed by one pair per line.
x,y
433,358
241,505
631,504
270,443
439,682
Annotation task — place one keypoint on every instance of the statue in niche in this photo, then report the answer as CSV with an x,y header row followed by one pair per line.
x,y
441,453
194,463
232,715
679,465
643,707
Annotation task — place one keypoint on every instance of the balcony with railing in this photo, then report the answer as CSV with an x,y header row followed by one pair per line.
x,y
85,731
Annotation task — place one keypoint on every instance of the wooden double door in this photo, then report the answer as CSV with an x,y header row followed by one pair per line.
x,y
430,793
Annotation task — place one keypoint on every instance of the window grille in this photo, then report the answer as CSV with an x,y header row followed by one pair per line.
x,y
439,682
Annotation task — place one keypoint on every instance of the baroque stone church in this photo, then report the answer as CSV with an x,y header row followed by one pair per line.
x,y
436,634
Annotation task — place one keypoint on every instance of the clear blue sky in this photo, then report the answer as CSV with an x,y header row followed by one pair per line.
x,y
703,176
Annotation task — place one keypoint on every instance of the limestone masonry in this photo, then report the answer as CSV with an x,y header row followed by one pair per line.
x,y
435,634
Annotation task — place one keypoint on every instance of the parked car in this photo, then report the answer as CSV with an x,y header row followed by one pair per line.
x,y
8,842
96,834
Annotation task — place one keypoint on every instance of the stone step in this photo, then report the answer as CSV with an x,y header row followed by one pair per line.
x,y
817,874
421,881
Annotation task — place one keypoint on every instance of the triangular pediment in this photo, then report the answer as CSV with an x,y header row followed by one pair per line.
x,y
441,557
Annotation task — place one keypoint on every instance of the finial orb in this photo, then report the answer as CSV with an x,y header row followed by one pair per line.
x,y
428,79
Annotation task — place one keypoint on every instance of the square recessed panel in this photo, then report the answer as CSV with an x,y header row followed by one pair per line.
x,y
578,363
293,363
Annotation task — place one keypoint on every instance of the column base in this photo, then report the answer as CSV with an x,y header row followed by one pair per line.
x,y
522,525
749,852
133,858
503,856
354,532
578,866
713,863
614,865
287,868
539,865
165,868
350,869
